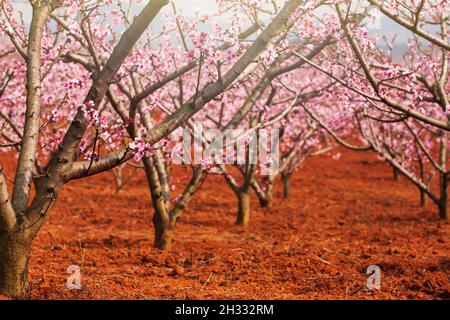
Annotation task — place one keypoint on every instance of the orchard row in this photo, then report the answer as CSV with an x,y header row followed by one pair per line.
x,y
92,86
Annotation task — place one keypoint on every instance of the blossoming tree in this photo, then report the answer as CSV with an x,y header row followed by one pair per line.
x,y
39,69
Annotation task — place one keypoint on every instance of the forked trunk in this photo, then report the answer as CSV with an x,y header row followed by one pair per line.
x,y
243,214
14,256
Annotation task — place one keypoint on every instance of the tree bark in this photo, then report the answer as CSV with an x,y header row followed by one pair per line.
x,y
161,217
163,232
243,214
28,151
14,256
443,200
422,198
443,179
269,194
286,180
443,212
264,202
395,173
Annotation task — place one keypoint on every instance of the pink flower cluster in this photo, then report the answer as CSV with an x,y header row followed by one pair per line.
x,y
141,148
93,117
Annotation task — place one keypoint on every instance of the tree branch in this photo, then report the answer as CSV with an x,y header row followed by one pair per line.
x,y
7,214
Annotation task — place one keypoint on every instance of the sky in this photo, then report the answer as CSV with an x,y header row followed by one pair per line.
x,y
189,7
384,26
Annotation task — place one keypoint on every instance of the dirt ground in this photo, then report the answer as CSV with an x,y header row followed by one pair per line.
x,y
342,216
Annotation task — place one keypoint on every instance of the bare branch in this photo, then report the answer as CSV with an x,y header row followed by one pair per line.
x,y
27,156
412,26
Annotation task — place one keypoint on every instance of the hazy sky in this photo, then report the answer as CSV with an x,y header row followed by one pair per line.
x,y
189,7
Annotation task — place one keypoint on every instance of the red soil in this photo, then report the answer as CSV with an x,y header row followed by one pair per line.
x,y
342,216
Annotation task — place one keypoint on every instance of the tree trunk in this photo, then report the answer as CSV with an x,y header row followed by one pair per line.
x,y
286,179
243,214
443,179
443,201
269,194
395,173
14,256
422,198
264,202
117,173
163,232
443,212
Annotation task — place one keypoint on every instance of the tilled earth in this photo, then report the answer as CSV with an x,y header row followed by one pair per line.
x,y
342,216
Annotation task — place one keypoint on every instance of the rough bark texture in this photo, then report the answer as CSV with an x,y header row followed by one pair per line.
x,y
243,214
14,255
163,232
